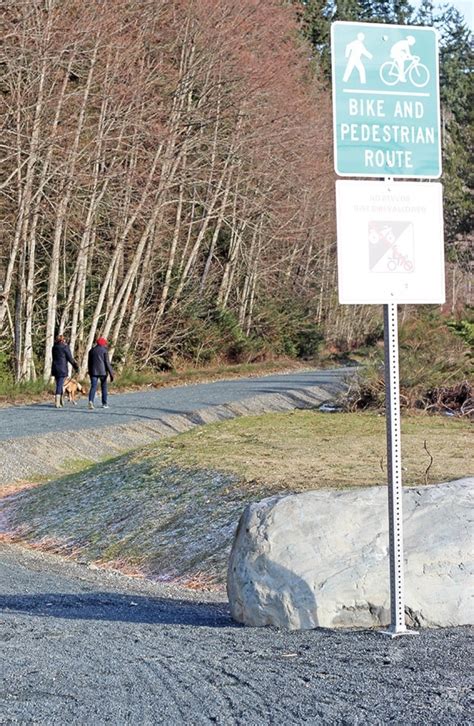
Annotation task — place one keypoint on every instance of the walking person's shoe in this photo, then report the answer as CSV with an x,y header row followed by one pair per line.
x,y
105,405
61,401
57,401
91,406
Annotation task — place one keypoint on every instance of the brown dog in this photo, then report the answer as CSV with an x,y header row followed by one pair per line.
x,y
72,388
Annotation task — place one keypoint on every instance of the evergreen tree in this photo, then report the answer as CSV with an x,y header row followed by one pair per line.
x,y
402,12
456,64
425,14
346,10
315,21
379,11
375,11
457,99
456,82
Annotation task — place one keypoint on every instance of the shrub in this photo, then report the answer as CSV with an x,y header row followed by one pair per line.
x,y
463,328
289,328
435,365
308,340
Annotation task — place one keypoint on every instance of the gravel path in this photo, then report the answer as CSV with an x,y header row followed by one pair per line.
x,y
38,440
82,646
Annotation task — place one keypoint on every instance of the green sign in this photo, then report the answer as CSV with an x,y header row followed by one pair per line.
x,y
385,100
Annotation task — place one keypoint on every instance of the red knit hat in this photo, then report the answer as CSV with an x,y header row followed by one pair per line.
x,y
101,341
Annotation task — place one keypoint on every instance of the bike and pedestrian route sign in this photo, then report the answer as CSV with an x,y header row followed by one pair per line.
x,y
385,100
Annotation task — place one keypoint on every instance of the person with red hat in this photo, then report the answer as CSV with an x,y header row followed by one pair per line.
x,y
98,366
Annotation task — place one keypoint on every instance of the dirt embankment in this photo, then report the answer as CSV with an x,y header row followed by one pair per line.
x,y
169,512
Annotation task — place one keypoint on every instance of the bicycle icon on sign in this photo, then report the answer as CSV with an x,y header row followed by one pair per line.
x,y
403,65
399,262
391,246
417,73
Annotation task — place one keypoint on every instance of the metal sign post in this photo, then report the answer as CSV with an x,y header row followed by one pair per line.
x,y
389,235
394,468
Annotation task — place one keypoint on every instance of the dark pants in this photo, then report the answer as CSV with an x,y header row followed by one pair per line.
x,y
103,388
59,384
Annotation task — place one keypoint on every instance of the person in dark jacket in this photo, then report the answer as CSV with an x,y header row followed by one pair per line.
x,y
98,365
61,357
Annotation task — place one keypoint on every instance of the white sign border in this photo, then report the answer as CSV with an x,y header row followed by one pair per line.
x,y
365,299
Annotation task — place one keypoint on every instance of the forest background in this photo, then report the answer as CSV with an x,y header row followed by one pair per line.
x,y
167,181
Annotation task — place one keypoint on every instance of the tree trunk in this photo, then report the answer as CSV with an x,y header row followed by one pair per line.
x,y
26,192
60,222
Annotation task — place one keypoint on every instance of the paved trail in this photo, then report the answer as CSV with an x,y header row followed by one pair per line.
x,y
89,647
39,440
155,404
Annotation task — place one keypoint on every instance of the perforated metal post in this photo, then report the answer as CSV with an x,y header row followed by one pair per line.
x,y
394,467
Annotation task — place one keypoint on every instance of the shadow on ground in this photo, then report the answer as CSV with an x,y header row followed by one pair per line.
x,y
106,606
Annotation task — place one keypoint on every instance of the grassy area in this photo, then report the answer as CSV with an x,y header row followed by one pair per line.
x,y
170,511
306,449
11,393
31,390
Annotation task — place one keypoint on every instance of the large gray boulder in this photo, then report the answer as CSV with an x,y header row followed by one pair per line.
x,y
321,558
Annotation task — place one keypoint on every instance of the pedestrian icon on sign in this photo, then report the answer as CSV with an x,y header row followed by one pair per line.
x,y
355,51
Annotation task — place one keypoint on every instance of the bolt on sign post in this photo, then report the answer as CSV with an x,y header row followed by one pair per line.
x,y
389,234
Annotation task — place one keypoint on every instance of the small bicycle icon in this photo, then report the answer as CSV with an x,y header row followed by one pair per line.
x,y
417,73
385,234
399,260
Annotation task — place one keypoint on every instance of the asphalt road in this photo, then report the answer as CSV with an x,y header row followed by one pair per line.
x,y
153,404
83,646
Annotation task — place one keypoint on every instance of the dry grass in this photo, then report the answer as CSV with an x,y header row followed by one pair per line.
x,y
307,450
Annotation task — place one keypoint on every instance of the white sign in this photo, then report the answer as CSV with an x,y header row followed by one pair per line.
x,y
390,242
